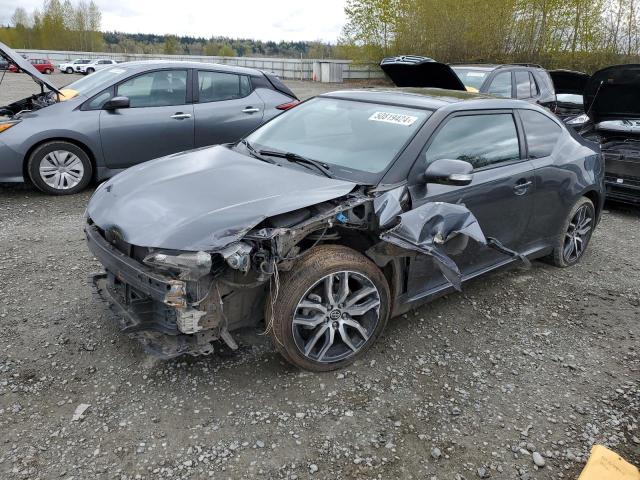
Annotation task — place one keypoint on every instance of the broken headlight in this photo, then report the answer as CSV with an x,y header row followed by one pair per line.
x,y
189,266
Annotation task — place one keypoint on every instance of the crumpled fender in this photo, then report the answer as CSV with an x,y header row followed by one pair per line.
x,y
427,228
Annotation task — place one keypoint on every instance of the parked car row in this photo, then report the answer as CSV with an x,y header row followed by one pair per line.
x,y
82,65
603,107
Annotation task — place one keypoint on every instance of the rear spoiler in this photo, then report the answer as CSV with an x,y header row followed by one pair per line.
x,y
278,85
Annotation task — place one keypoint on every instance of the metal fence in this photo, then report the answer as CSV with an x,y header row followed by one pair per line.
x,y
286,68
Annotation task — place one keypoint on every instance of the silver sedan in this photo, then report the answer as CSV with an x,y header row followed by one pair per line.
x,y
62,139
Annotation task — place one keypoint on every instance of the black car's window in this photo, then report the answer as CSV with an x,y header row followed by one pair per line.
x,y
217,86
523,84
350,134
542,133
501,85
481,140
156,89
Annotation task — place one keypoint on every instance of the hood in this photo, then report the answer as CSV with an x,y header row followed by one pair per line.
x,y
23,64
613,93
568,81
203,199
414,71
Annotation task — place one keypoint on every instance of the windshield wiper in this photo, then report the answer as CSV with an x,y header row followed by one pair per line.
x,y
254,153
295,158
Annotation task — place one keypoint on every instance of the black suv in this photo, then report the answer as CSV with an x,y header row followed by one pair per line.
x,y
522,81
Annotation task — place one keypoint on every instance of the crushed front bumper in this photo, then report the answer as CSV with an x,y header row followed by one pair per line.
x,y
148,306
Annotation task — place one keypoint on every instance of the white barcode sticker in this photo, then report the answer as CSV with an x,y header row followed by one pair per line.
x,y
395,118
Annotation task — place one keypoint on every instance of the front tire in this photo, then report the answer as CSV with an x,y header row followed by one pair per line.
x,y
69,70
47,71
330,308
60,168
572,241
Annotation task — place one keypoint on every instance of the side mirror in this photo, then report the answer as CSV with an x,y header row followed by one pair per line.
x,y
115,103
449,172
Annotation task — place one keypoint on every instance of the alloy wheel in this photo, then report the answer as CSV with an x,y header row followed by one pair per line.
x,y
335,318
61,169
578,234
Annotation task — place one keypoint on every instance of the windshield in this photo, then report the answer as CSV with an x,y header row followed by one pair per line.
x,y
471,77
347,135
100,79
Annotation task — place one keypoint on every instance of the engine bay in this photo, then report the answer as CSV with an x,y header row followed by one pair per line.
x,y
29,104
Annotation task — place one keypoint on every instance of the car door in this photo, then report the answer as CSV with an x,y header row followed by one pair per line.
x,y
500,195
544,136
158,122
501,85
226,107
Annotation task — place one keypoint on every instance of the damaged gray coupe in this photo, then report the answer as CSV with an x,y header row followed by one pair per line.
x,y
350,209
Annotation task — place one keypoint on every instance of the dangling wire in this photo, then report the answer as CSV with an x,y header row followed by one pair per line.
x,y
274,289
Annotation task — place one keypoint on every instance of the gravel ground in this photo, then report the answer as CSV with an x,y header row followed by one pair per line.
x,y
523,369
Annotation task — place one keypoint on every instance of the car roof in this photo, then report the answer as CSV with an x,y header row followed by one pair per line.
x,y
427,98
142,65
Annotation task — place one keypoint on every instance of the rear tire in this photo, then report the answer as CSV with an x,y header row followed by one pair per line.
x,y
343,323
572,242
47,71
60,168
90,71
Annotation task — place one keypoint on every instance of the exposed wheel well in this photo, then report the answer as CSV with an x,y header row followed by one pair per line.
x,y
595,199
87,150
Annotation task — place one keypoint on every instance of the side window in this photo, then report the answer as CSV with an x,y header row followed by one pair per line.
x,y
217,86
480,140
99,100
542,133
156,89
523,84
501,85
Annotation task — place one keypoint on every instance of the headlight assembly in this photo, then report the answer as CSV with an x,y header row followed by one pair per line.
x,y
7,125
190,266
580,119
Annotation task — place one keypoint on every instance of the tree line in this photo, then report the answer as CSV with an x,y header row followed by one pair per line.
x,y
63,25
578,34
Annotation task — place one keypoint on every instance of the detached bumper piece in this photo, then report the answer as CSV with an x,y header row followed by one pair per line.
x,y
148,306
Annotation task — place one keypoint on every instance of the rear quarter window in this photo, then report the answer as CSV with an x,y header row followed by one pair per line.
x,y
541,132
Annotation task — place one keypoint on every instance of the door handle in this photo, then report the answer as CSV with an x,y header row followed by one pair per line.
x,y
521,187
181,116
251,110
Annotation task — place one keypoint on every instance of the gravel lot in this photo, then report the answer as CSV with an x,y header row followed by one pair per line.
x,y
525,366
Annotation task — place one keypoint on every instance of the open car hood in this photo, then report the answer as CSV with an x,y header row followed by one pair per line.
x,y
613,93
203,199
568,81
23,64
414,71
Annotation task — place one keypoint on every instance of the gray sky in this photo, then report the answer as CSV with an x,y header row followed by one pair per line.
x,y
259,19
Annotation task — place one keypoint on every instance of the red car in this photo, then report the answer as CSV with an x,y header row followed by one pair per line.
x,y
43,66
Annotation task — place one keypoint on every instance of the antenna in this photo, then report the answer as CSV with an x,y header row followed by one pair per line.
x,y
594,98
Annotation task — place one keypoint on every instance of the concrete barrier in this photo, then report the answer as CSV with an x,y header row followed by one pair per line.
x,y
286,68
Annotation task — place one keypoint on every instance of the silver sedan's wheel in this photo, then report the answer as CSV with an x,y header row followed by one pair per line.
x,y
59,167
61,170
336,317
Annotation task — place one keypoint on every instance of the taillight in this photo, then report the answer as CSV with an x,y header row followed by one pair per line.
x,y
288,105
